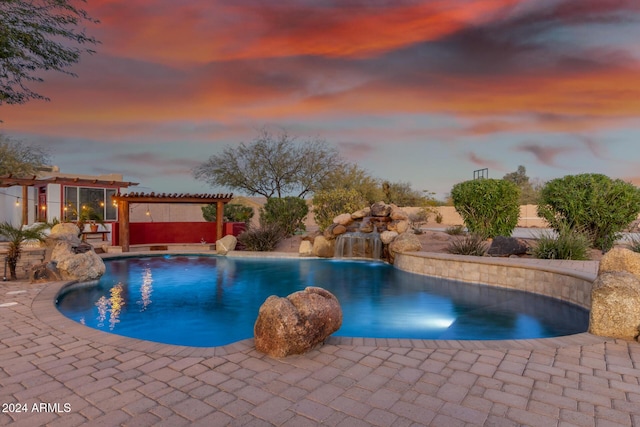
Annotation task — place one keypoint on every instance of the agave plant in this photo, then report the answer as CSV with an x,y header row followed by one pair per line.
x,y
17,236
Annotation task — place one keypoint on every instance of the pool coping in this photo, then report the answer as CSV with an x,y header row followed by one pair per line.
x,y
44,309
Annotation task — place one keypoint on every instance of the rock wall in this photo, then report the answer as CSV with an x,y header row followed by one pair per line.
x,y
381,222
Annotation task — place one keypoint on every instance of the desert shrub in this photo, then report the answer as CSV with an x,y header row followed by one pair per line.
x,y
592,203
634,244
565,244
327,204
455,230
288,213
439,218
418,218
472,244
233,212
488,207
263,238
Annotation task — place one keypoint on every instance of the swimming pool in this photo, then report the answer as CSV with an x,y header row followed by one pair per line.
x,y
211,301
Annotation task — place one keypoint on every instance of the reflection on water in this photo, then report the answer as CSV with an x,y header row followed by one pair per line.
x,y
146,289
210,301
110,306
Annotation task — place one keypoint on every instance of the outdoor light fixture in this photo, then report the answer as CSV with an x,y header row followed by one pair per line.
x,y
6,260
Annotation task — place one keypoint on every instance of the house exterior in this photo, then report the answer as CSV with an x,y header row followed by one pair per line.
x,y
53,195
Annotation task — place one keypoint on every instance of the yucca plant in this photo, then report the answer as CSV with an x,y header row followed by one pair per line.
x,y
17,236
471,244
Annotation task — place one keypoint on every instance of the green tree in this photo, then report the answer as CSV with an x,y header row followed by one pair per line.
x,y
17,236
327,204
36,36
19,159
233,212
271,166
350,176
489,207
528,192
591,203
401,194
288,213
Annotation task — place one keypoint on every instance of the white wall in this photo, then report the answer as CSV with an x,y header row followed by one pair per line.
x,y
11,212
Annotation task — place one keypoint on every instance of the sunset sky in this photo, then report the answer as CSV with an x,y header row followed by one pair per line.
x,y
424,92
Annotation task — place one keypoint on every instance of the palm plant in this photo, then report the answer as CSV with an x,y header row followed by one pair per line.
x,y
17,236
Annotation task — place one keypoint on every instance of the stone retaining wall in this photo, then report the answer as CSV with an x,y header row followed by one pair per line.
x,y
563,284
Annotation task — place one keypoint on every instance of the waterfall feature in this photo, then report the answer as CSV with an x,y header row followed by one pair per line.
x,y
359,245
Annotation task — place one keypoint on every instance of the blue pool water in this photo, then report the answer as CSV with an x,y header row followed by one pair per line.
x,y
212,301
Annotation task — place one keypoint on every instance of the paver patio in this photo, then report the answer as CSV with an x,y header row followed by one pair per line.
x,y
92,378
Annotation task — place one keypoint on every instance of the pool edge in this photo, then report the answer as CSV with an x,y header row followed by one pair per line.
x,y
45,310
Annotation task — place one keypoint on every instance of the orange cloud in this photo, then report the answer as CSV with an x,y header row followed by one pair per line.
x,y
200,32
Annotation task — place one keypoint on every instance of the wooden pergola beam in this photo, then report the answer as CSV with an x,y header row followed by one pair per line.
x,y
124,201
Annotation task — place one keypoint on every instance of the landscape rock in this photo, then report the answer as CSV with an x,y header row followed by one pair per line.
x,y
338,230
45,272
388,236
65,231
76,266
306,248
620,259
507,246
226,244
615,305
297,323
398,214
361,213
406,242
322,247
380,209
343,219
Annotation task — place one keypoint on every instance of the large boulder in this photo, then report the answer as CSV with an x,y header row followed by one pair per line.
x,y
323,247
380,209
398,214
620,259
405,242
615,305
343,219
297,323
507,246
73,265
306,248
388,236
66,232
226,244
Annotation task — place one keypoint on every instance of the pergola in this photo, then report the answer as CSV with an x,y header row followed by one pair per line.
x,y
124,200
12,181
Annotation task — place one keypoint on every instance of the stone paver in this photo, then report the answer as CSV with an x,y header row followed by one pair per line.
x,y
56,372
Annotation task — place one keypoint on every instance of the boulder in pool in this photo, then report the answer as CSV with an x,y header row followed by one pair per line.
x,y
297,323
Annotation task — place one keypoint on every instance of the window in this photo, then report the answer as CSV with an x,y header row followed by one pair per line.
x,y
89,201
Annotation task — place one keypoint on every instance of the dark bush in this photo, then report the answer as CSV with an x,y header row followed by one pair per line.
x,y
591,203
288,213
489,207
265,238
